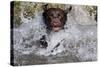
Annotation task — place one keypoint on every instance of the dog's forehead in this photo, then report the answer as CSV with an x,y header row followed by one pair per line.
x,y
55,10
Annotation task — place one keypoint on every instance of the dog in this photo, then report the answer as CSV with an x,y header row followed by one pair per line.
x,y
54,19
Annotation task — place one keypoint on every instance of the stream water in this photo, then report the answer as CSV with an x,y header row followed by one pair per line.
x,y
78,42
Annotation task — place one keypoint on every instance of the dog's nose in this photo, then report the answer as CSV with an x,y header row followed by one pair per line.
x,y
56,20
55,17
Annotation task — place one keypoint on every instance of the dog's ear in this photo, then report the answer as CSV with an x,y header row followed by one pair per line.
x,y
45,7
44,14
68,10
45,10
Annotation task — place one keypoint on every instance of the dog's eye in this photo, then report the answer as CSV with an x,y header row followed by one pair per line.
x,y
59,15
50,14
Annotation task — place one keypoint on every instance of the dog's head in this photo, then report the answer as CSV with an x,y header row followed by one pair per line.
x,y
55,18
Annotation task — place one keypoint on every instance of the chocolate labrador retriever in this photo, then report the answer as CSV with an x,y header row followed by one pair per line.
x,y
55,18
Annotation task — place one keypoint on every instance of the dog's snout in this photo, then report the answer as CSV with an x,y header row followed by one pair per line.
x,y
55,18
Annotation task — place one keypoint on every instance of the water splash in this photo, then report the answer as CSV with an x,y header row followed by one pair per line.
x,y
76,40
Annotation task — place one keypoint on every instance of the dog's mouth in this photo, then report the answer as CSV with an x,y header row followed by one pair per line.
x,y
56,29
56,26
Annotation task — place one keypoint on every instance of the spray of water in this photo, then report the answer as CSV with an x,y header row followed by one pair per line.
x,y
76,40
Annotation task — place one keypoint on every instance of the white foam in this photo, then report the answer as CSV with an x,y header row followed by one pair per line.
x,y
79,40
